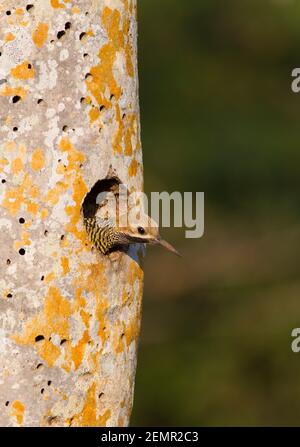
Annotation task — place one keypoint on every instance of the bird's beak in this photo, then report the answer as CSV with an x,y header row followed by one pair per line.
x,y
168,246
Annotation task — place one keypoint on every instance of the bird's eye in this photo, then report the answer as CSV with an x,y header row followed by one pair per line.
x,y
141,230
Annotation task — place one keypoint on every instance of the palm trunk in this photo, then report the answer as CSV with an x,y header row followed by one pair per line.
x,y
70,316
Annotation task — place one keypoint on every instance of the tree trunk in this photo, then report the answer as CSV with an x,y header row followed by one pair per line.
x,y
70,316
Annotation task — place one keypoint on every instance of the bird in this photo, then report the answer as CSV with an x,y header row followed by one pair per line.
x,y
110,223
106,235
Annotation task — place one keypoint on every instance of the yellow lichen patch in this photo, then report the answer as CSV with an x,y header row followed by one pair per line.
x,y
3,162
130,133
54,319
77,352
132,330
37,160
129,63
65,265
18,411
19,11
32,207
17,165
117,142
9,37
54,194
13,199
23,242
88,415
23,71
6,294
44,213
102,77
96,284
39,36
132,170
94,114
75,10
55,4
13,91
16,197
73,176
50,277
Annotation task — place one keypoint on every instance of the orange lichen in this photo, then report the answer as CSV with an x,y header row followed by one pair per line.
x,y
13,91
23,194
9,37
94,114
40,34
132,170
23,71
128,47
117,142
65,265
88,415
102,74
18,411
50,277
17,165
23,242
44,213
55,4
75,10
32,207
3,162
53,319
38,159
13,199
130,133
54,194
74,177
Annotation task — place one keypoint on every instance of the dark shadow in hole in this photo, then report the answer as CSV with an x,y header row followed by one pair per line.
x,y
108,184
60,34
39,338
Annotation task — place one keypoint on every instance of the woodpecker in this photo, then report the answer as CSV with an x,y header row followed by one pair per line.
x,y
107,236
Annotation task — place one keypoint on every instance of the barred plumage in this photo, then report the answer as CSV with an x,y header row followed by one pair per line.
x,y
101,233
105,236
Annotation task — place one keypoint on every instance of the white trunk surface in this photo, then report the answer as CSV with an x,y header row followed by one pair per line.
x,y
70,316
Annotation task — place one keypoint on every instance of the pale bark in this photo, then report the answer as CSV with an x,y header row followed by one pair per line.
x,y
70,316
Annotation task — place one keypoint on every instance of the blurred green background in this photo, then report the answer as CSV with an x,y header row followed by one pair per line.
x,y
219,116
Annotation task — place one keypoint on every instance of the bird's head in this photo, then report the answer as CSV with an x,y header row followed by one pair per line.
x,y
144,231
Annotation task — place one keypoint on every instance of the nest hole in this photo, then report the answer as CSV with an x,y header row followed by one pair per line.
x,y
108,184
60,34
